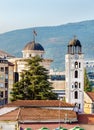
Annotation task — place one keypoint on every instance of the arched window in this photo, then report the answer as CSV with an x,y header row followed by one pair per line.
x,y
76,84
76,74
76,64
72,85
75,95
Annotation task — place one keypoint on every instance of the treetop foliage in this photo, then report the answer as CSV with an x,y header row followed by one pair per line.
x,y
34,83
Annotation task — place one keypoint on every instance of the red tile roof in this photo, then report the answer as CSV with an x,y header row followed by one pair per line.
x,y
38,115
86,118
91,95
10,64
40,103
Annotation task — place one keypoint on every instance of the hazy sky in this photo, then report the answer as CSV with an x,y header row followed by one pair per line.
x,y
18,14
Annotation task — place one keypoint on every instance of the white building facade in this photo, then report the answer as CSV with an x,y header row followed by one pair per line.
x,y
74,62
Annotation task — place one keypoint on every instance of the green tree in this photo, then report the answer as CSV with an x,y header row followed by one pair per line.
x,y
87,87
34,83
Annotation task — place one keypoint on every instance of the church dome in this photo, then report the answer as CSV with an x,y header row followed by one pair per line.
x,y
75,42
33,46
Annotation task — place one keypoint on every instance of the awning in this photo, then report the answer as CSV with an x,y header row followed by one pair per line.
x,y
77,128
44,128
27,129
61,128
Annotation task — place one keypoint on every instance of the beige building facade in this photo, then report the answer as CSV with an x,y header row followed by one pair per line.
x,y
6,80
89,102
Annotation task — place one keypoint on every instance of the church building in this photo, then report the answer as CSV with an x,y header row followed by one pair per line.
x,y
30,50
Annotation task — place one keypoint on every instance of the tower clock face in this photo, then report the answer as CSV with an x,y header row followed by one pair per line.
x,y
76,56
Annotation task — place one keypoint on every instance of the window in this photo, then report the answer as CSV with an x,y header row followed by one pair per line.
x,y
41,56
57,77
1,77
75,95
6,94
92,107
76,64
30,55
2,69
79,106
76,84
76,74
6,76
1,94
1,85
79,65
6,70
79,85
6,85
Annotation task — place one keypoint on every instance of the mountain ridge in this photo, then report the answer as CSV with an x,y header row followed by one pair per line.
x,y
54,39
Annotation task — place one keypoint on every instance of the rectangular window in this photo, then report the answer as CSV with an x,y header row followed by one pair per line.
x,y
1,94
79,85
79,106
1,85
2,69
1,77
6,76
92,107
6,85
6,70
6,94
79,65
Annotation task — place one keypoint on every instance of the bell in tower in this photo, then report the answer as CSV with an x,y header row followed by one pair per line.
x,y
74,47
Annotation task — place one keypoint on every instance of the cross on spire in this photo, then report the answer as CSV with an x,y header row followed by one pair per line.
x,y
34,34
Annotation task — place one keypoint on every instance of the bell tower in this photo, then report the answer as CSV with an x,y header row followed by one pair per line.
x,y
74,64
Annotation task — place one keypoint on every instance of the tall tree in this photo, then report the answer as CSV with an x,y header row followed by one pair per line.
x,y
34,83
87,87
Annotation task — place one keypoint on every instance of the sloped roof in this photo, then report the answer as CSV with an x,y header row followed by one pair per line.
x,y
5,54
5,110
39,103
10,64
38,115
91,95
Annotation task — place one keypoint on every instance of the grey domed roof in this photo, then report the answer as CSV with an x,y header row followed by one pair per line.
x,y
33,46
75,42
